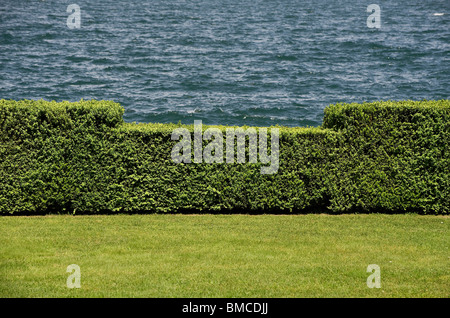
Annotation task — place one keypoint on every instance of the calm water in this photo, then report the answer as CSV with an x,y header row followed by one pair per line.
x,y
232,62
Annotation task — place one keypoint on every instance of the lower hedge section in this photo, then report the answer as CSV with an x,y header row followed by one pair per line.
x,y
82,158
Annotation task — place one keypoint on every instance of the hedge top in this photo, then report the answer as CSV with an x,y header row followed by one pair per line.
x,y
342,115
110,114
64,114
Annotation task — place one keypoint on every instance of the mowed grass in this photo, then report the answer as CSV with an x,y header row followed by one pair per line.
x,y
310,255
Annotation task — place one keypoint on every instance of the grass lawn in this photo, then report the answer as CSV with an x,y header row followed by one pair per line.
x,y
225,255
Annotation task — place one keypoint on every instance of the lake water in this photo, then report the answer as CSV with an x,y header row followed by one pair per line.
x,y
230,62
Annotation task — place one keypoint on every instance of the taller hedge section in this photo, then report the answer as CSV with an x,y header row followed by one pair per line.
x,y
396,156
82,158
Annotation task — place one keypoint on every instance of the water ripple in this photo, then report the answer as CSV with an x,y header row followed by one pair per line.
x,y
235,62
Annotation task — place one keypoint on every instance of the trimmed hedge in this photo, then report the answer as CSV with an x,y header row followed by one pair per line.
x,y
82,158
396,156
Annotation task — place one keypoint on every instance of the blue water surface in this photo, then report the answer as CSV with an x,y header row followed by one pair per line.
x,y
229,62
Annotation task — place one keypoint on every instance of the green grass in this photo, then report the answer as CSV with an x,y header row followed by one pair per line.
x,y
225,255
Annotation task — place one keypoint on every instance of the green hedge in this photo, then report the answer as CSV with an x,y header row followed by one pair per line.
x,y
397,156
82,158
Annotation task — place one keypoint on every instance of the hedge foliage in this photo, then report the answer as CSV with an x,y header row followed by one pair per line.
x,y
82,158
397,156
